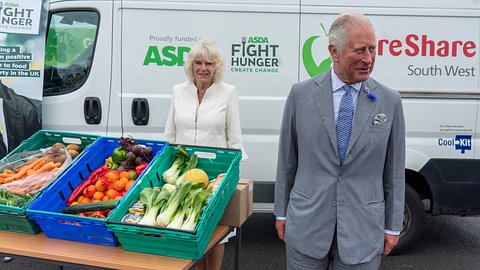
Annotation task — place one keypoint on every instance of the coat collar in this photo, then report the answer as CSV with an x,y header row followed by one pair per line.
x,y
323,98
365,107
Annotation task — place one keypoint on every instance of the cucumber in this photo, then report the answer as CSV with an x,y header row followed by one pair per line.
x,y
88,207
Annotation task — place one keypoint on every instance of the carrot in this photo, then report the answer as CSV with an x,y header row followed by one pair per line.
x,y
8,180
46,168
30,172
19,190
23,170
20,174
34,187
39,164
7,171
58,164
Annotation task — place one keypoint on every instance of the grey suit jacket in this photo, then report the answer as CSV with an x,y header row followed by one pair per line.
x,y
362,198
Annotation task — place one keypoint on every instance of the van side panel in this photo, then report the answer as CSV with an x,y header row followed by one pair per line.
x,y
260,46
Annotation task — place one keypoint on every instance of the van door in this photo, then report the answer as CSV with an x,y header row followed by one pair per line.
x,y
77,67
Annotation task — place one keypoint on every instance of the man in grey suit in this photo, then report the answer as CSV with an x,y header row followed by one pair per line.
x,y
340,183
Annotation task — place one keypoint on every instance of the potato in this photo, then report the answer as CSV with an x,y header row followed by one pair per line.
x,y
73,146
58,145
73,153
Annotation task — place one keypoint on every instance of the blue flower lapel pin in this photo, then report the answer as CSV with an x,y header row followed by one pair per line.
x,y
371,96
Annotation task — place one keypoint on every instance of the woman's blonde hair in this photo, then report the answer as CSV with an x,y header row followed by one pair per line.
x,y
210,52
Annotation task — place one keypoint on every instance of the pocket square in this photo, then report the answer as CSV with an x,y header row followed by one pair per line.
x,y
380,119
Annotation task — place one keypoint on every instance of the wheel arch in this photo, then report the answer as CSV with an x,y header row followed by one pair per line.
x,y
419,183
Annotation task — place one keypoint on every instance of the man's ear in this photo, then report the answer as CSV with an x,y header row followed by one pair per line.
x,y
333,52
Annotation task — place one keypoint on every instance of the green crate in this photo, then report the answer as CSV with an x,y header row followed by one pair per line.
x,y
15,218
178,243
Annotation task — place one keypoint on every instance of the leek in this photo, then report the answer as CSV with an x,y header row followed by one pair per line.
x,y
181,158
173,203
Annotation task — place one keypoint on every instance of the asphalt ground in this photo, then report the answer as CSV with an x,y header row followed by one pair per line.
x,y
449,242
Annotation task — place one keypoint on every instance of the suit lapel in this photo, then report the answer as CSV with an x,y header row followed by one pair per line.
x,y
364,109
323,98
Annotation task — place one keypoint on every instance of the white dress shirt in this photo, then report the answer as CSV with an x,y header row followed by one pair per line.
x,y
338,92
214,122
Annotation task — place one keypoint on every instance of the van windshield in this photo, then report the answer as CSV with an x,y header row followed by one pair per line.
x,y
69,50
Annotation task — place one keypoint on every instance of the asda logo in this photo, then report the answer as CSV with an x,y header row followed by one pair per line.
x,y
166,56
312,66
255,54
12,14
20,16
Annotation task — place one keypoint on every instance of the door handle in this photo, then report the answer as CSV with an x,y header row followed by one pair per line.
x,y
92,110
140,111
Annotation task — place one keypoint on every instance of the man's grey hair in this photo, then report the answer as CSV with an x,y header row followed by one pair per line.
x,y
338,34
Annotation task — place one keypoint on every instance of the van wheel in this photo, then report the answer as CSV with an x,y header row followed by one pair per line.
x,y
413,221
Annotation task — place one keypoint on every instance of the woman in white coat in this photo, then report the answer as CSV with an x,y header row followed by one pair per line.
x,y
204,112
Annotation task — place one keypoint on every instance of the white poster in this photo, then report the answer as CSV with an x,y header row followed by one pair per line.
x,y
20,16
22,44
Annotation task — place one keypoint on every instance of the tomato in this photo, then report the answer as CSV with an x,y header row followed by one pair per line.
x,y
98,214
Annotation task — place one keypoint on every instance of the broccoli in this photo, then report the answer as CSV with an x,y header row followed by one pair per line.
x,y
3,201
17,201
11,199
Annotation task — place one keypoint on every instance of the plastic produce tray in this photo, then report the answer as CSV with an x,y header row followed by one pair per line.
x,y
15,218
177,243
46,209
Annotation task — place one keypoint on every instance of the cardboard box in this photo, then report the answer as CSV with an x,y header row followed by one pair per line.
x,y
240,206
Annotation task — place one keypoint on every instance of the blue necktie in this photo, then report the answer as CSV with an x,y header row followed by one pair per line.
x,y
344,123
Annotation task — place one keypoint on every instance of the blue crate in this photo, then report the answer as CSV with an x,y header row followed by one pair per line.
x,y
46,209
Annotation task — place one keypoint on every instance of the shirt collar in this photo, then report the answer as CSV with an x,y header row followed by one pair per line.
x,y
337,83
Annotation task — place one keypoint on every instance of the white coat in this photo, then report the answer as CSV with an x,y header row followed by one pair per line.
x,y
215,122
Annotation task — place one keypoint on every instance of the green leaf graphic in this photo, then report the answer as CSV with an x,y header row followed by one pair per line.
x,y
308,61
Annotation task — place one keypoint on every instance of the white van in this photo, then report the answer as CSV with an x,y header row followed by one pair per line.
x,y
111,64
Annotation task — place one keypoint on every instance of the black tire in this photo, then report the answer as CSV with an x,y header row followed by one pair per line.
x,y
413,221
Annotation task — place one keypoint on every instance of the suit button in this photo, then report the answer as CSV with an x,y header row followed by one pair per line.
x,y
339,179
334,204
